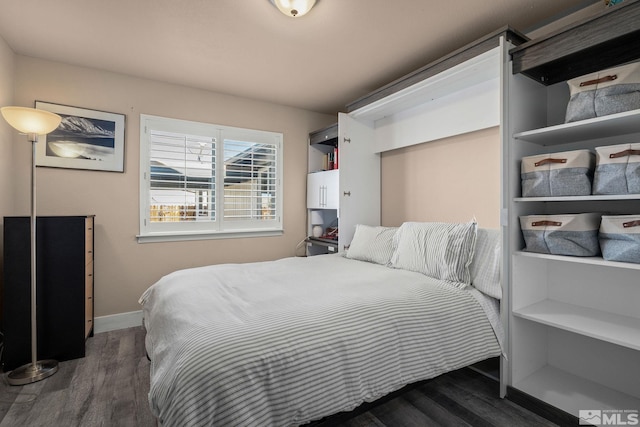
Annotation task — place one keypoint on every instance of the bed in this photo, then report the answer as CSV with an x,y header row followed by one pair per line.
x,y
290,341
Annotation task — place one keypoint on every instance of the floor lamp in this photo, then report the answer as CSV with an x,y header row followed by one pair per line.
x,y
33,123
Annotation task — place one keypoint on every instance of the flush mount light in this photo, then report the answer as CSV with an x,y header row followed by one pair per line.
x,y
293,8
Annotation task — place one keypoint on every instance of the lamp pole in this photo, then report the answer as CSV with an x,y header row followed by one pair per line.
x,y
32,122
33,138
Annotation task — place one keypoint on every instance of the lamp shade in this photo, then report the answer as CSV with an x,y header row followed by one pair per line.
x,y
294,8
316,217
30,120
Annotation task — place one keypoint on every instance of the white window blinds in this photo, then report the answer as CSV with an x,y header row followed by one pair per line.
x,y
205,180
182,184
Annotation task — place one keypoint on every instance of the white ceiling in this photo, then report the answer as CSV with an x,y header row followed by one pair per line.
x,y
340,51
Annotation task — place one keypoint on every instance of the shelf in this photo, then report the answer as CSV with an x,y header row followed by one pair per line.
x,y
584,130
322,242
601,41
601,325
572,393
592,198
325,136
581,260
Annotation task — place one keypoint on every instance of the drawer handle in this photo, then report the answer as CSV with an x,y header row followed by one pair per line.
x,y
88,320
89,297
631,224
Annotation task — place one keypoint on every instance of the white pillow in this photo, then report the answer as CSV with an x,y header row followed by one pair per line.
x,y
485,267
440,250
372,244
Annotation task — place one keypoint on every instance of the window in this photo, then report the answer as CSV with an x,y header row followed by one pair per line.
x,y
200,180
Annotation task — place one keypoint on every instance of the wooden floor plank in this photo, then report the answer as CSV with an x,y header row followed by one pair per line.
x,y
440,415
399,412
453,406
363,420
497,412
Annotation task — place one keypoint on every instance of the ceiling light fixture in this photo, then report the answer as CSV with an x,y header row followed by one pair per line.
x,y
293,8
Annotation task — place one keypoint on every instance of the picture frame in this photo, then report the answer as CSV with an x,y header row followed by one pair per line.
x,y
85,139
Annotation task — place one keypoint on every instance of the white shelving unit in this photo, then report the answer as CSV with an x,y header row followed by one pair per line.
x,y
575,322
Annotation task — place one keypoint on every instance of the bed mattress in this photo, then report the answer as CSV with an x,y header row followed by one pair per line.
x,y
290,341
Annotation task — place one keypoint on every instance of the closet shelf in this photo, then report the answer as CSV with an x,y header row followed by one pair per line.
x,y
581,260
601,325
584,130
556,385
592,198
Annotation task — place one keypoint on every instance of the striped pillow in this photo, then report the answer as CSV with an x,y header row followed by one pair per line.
x,y
372,244
440,250
485,267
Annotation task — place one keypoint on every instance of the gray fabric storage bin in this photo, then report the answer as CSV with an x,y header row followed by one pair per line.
x,y
567,234
620,238
568,173
610,91
617,169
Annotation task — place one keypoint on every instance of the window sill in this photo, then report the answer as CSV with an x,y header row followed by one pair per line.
x,y
179,237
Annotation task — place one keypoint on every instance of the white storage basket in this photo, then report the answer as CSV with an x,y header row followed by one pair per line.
x,y
569,234
620,238
567,173
617,169
610,91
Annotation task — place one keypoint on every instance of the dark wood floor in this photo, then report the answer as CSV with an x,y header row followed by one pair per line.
x,y
109,388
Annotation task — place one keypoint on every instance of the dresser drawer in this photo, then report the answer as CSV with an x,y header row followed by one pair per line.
x,y
88,292
88,240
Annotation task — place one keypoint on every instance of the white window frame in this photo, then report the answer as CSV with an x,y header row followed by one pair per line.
x,y
218,228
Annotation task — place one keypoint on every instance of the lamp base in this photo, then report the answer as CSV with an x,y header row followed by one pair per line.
x,y
30,373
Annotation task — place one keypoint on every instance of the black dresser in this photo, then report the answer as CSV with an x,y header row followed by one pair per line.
x,y
64,278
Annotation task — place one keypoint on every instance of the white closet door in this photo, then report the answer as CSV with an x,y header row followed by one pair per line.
x,y
359,170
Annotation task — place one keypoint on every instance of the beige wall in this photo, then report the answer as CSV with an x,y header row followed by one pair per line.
x,y
123,267
449,180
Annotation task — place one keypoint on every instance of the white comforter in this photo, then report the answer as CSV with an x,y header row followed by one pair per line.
x,y
286,342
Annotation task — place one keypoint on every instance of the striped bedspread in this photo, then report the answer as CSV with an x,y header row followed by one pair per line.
x,y
286,342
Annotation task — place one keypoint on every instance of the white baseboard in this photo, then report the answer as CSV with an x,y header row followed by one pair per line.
x,y
117,321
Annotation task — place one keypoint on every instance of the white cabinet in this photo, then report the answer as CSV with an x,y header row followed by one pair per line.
x,y
575,322
322,190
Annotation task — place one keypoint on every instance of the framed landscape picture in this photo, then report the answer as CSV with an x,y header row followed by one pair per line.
x,y
86,139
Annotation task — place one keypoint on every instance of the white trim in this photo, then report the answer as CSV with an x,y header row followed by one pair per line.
x,y
218,227
113,322
178,236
